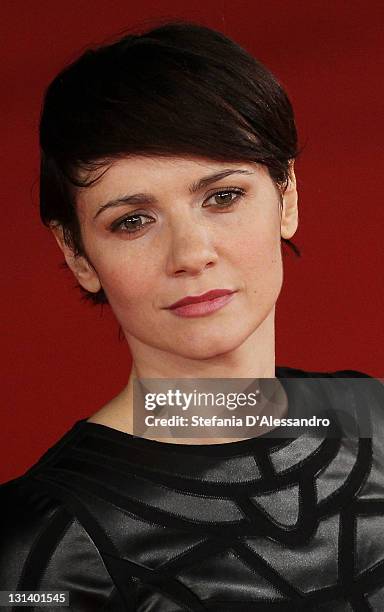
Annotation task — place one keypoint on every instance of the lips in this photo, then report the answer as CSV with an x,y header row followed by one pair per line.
x,y
204,297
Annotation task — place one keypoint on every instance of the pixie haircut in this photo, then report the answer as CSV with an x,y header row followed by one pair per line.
x,y
177,89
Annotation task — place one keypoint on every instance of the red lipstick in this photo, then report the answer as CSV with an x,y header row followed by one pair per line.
x,y
201,305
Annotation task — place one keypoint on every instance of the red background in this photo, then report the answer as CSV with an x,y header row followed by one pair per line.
x,y
61,358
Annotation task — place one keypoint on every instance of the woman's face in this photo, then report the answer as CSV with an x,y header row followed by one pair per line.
x,y
157,230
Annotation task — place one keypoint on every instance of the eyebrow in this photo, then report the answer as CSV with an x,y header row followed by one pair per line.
x,y
145,198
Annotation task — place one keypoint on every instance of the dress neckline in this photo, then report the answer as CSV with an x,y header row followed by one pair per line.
x,y
267,440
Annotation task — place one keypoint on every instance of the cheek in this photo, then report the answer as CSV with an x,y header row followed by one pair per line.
x,y
129,285
256,250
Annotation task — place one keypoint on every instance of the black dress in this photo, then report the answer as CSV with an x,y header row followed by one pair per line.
x,y
125,523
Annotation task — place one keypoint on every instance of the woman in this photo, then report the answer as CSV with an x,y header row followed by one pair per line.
x,y
168,181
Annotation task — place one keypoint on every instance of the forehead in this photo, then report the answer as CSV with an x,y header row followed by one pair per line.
x,y
135,166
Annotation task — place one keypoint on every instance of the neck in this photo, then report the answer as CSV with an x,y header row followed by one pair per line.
x,y
253,358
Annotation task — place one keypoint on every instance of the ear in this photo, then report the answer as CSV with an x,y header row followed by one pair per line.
x,y
81,268
289,215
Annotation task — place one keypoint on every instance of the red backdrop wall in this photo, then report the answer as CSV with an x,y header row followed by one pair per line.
x,y
61,359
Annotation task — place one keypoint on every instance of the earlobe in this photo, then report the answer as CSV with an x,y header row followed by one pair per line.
x,y
290,215
85,274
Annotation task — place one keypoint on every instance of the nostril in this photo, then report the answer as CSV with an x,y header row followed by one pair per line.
x,y
194,270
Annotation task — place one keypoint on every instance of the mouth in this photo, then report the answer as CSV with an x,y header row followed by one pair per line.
x,y
201,305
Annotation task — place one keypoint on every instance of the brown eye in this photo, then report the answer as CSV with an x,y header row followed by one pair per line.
x,y
131,223
224,199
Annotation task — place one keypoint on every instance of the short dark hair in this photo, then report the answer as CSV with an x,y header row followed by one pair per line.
x,y
180,88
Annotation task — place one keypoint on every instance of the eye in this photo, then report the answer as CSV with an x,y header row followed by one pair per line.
x,y
225,198
131,224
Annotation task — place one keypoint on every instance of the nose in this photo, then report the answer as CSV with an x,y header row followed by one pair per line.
x,y
191,249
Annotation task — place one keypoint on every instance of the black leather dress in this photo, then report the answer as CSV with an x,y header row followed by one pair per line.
x,y
265,524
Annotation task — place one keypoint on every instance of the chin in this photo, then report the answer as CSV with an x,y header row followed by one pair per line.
x,y
208,346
